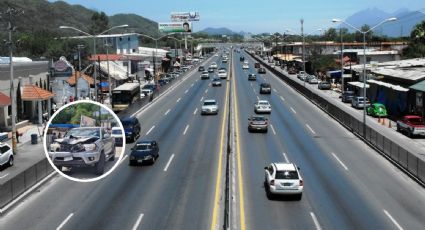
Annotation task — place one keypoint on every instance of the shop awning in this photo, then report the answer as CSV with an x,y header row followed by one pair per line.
x,y
388,85
358,84
35,93
418,86
4,100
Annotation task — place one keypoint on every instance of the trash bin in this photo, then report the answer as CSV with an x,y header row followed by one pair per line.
x,y
34,138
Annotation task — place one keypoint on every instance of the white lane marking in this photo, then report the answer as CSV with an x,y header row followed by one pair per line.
x,y
192,85
392,219
5,175
150,130
206,91
343,165
274,90
123,159
186,91
251,84
258,98
194,112
293,110
274,132
283,99
185,130
316,222
179,99
311,130
169,162
286,157
136,225
202,98
64,221
165,114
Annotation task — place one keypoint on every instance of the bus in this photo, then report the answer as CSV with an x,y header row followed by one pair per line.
x,y
125,95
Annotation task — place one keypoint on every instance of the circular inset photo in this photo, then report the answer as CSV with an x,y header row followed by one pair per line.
x,y
84,141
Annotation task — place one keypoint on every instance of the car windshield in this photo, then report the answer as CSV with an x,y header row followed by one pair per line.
x,y
258,119
126,124
85,132
209,103
263,103
116,131
143,146
286,175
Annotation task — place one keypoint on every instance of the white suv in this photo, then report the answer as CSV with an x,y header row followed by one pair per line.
x,y
283,179
262,106
6,155
209,107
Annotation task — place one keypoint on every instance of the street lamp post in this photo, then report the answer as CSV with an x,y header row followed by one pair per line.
x,y
302,34
79,47
107,45
94,48
364,59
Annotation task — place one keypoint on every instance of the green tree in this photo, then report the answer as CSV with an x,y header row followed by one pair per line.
x,y
416,47
100,22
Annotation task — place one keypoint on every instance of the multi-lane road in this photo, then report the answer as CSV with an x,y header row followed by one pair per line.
x,y
347,184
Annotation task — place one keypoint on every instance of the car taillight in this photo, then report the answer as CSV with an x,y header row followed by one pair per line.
x,y
272,182
301,183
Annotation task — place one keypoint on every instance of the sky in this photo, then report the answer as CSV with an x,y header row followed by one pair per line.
x,y
249,15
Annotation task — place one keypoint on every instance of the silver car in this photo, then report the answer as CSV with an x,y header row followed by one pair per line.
x,y
283,179
83,147
360,102
6,155
210,106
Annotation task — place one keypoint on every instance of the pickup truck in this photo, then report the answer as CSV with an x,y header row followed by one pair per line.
x,y
411,125
83,147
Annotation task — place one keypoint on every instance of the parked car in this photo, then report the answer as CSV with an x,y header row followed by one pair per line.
x,y
301,74
261,70
144,151
262,106
216,82
258,123
347,96
377,110
148,89
210,106
257,65
411,125
83,147
6,155
283,179
360,102
313,80
252,77
201,68
117,134
265,88
324,85
131,128
292,71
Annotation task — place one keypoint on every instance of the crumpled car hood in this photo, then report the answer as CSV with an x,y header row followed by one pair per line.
x,y
76,140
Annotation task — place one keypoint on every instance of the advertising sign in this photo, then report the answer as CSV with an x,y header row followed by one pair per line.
x,y
175,27
184,16
86,121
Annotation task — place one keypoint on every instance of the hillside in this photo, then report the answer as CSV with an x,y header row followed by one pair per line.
x,y
136,23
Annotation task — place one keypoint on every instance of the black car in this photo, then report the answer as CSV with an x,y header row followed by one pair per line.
x,y
265,88
252,77
201,68
261,70
144,151
242,58
324,85
347,96
257,65
131,128
210,70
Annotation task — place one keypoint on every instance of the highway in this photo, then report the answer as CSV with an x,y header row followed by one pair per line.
x,y
347,185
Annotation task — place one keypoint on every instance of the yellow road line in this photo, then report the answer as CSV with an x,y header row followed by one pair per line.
x,y
220,159
238,157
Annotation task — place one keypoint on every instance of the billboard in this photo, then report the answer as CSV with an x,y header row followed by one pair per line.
x,y
175,27
184,16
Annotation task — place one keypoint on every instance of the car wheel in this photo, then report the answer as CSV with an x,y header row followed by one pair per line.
x,y
153,160
398,128
268,193
100,165
132,163
132,138
299,196
410,133
112,157
10,162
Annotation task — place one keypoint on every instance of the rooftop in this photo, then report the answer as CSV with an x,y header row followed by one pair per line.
x,y
35,93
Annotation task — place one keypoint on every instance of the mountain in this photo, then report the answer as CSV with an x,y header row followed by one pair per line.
x,y
406,20
217,31
41,15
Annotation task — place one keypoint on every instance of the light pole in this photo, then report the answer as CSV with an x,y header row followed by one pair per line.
x,y
107,45
302,34
94,48
79,47
364,60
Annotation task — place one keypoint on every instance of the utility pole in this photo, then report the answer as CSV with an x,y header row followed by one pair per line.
x,y
79,47
342,61
302,34
11,12
107,45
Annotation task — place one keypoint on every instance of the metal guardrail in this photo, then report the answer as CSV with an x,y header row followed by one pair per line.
x,y
411,163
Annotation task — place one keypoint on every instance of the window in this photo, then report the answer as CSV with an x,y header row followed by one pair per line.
x,y
286,175
4,149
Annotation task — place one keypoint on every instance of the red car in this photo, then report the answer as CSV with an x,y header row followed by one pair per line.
x,y
411,125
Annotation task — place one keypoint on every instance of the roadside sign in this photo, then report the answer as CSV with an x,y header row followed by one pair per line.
x,y
175,27
184,16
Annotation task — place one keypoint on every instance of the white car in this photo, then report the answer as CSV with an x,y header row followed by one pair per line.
x,y
283,179
6,155
245,66
246,62
214,65
222,73
210,106
262,106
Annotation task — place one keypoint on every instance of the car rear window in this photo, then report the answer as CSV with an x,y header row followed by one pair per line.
x,y
286,175
265,85
209,103
116,131
258,119
143,147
